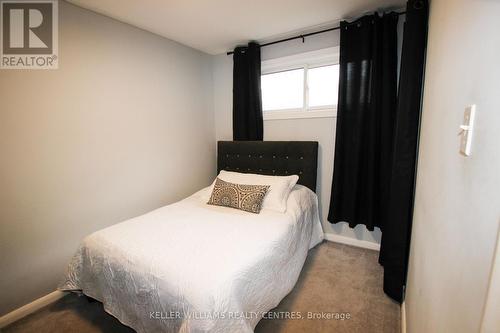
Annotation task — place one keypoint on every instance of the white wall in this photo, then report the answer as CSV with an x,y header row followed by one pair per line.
x,y
491,317
125,125
315,129
457,207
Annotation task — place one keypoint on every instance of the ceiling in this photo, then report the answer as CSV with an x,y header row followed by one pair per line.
x,y
216,26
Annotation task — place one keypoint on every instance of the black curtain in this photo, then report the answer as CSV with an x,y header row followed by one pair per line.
x,y
365,120
397,227
247,100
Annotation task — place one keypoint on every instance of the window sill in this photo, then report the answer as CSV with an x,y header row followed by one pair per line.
x,y
299,114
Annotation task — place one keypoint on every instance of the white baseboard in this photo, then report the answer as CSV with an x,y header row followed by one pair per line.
x,y
27,309
403,317
352,241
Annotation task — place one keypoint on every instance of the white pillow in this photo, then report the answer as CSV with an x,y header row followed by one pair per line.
x,y
277,195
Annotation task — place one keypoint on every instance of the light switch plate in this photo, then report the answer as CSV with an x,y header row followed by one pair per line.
x,y
467,129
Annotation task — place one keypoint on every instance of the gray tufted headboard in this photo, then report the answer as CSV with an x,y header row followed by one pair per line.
x,y
279,158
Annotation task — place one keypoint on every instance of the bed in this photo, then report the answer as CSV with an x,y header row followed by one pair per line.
x,y
192,267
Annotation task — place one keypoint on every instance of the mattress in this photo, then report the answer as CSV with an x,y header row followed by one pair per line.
x,y
192,267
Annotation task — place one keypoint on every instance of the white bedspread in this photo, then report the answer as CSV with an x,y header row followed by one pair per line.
x,y
192,267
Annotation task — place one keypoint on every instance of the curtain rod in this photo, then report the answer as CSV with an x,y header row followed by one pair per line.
x,y
303,36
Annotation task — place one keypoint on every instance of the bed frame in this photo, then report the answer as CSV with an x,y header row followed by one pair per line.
x,y
279,158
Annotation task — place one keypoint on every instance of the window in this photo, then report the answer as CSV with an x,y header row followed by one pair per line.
x,y
283,90
301,86
323,86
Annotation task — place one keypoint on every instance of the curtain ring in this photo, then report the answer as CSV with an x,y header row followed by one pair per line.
x,y
303,38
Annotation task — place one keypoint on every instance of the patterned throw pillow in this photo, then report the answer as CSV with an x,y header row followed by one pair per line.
x,y
244,197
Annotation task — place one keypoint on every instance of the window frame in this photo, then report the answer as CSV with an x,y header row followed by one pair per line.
x,y
307,60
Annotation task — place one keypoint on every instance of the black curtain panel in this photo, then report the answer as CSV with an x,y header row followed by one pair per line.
x,y
365,120
247,100
397,227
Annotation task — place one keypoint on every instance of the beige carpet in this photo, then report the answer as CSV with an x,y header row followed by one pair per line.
x,y
336,280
